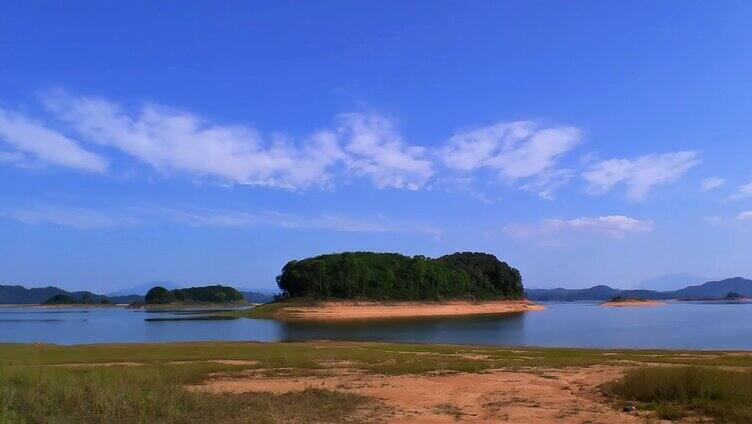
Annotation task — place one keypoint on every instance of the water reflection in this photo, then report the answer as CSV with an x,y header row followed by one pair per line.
x,y
461,330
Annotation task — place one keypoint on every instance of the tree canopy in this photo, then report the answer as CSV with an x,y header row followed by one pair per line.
x,y
213,294
368,275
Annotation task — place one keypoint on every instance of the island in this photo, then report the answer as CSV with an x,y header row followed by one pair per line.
x,y
65,299
356,285
626,301
734,296
193,296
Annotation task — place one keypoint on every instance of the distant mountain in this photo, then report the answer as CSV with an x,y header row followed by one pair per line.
x,y
23,296
132,298
593,293
709,290
257,297
669,282
717,289
141,289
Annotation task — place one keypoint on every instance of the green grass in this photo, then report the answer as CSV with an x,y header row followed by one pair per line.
x,y
152,394
725,395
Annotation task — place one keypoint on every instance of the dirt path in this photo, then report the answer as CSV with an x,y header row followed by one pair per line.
x,y
530,396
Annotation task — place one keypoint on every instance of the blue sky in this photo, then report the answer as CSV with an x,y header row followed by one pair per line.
x,y
583,143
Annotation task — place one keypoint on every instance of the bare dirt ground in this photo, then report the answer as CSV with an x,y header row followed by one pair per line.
x,y
536,395
360,310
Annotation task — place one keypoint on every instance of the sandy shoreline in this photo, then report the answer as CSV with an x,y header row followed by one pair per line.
x,y
335,310
633,303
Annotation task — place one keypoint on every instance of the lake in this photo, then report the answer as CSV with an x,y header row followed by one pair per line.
x,y
678,325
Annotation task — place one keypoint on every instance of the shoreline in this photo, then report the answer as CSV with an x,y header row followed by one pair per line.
x,y
363,310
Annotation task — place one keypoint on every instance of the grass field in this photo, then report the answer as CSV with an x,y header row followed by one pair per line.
x,y
725,395
145,383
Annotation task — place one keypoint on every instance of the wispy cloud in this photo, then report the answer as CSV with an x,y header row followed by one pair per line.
x,y
742,192
88,219
28,137
174,140
525,154
331,222
640,175
615,226
80,218
745,216
712,183
515,150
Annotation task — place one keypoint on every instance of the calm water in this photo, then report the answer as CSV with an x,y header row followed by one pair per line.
x,y
677,325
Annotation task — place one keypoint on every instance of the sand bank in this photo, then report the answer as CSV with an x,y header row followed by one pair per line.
x,y
336,310
632,302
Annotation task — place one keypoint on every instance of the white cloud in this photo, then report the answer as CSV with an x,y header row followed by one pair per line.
x,y
640,175
745,216
376,150
743,191
712,183
172,140
44,144
516,150
332,222
616,226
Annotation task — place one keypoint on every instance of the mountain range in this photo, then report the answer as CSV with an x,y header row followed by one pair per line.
x,y
709,290
19,295
22,296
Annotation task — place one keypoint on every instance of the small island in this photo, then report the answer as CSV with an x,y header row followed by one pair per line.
x,y
358,285
65,299
193,296
625,301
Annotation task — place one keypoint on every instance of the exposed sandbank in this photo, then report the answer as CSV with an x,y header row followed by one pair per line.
x,y
632,302
341,310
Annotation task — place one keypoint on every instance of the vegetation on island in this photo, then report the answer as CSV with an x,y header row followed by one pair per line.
x,y
207,294
620,299
67,299
391,276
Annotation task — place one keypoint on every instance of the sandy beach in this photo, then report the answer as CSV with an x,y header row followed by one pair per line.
x,y
336,310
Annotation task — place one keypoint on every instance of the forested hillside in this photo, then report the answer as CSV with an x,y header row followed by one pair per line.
x,y
368,275
208,294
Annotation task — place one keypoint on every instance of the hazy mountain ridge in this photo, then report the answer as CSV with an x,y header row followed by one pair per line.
x,y
709,290
27,296
141,289
20,295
